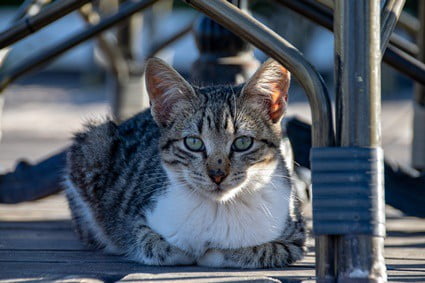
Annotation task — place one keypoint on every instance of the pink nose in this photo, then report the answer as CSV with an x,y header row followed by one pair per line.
x,y
217,176
217,179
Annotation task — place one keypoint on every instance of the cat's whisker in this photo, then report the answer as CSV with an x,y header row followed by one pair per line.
x,y
276,188
175,186
277,175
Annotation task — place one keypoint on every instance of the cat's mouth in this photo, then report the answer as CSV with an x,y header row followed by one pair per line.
x,y
214,189
219,192
217,189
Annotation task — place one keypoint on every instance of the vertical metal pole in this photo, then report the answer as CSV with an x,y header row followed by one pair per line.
x,y
418,142
357,46
325,258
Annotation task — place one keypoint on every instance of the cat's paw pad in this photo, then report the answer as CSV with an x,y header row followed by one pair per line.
x,y
212,258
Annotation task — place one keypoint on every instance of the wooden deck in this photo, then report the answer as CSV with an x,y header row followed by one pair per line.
x,y
37,244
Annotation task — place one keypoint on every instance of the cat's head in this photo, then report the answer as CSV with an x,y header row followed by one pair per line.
x,y
218,141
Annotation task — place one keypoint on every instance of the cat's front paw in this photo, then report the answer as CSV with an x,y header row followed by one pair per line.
x,y
179,257
165,255
212,258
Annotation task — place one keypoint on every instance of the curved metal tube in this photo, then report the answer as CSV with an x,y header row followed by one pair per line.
x,y
268,41
389,17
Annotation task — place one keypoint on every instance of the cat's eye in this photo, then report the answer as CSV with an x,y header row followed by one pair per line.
x,y
194,143
242,143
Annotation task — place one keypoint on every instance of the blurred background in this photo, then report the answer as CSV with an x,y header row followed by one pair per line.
x,y
44,108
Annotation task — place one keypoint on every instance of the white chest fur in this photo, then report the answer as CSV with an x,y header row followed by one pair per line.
x,y
192,222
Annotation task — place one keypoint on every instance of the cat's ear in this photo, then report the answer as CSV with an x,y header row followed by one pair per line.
x,y
168,90
268,88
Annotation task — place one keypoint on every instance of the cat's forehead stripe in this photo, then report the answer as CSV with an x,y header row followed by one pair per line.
x,y
219,108
217,118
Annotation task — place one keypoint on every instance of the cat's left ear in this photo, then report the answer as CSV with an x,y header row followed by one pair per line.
x,y
169,93
268,88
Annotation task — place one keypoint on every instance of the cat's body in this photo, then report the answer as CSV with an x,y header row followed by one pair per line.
x,y
202,180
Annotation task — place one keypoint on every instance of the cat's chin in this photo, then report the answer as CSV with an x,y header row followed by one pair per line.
x,y
219,194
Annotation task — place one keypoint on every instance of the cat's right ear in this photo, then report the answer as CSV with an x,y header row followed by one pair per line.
x,y
268,89
168,91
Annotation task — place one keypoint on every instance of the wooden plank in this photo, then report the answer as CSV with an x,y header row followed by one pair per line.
x,y
52,208
131,272
43,268
32,234
43,239
97,270
87,256
44,244
37,225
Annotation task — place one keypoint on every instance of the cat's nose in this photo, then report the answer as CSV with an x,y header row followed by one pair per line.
x,y
217,176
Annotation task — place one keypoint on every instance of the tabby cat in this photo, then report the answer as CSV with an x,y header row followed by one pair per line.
x,y
200,178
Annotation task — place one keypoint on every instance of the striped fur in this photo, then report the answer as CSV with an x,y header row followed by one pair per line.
x,y
136,189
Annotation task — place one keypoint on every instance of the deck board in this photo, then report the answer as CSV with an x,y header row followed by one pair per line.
x,y
36,246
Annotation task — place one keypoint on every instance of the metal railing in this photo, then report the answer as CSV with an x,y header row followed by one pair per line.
x,y
49,54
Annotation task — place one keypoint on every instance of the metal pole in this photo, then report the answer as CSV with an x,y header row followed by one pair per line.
x,y
358,59
405,63
50,53
389,17
357,72
29,8
418,142
409,23
404,44
29,25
